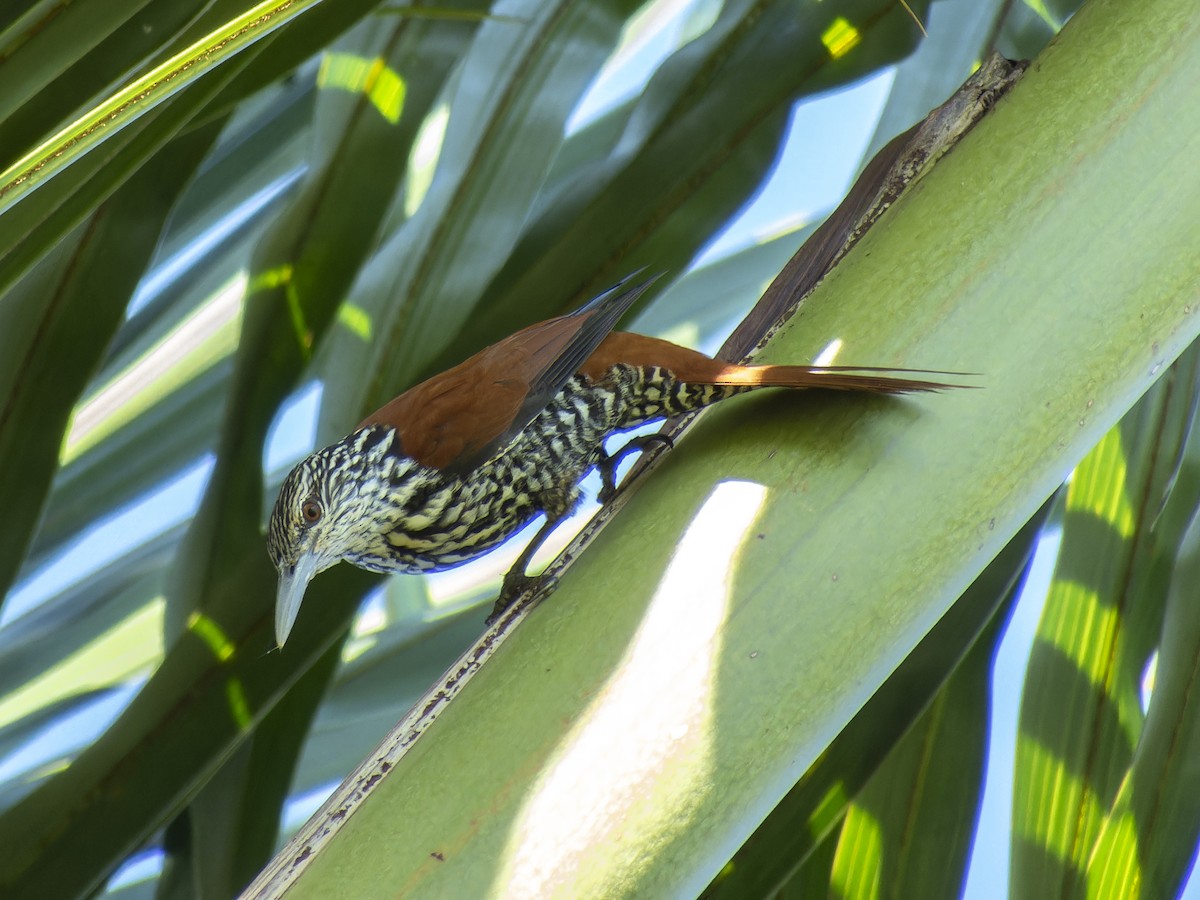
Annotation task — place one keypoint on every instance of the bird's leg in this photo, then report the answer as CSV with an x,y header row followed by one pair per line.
x,y
516,581
607,463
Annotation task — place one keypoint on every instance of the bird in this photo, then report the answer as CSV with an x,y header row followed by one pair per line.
x,y
452,467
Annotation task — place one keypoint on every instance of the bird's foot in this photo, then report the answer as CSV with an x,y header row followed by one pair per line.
x,y
607,463
516,583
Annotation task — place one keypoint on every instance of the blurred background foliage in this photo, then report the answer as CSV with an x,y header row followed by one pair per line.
x,y
301,209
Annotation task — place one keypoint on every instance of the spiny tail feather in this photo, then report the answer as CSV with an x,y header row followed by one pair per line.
x,y
833,378
691,367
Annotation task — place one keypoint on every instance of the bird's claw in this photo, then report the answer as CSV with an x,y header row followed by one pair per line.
x,y
607,463
517,584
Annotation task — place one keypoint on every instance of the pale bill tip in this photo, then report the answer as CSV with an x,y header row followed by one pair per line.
x,y
292,584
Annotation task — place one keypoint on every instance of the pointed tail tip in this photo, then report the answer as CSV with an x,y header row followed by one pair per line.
x,y
866,379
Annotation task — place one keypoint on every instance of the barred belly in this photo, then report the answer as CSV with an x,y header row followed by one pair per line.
x,y
447,521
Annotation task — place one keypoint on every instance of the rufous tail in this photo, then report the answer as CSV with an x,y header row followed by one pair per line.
x,y
868,379
691,367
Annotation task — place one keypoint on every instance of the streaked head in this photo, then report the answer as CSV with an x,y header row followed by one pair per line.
x,y
333,505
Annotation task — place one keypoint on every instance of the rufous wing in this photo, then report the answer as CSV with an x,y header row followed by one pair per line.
x,y
457,420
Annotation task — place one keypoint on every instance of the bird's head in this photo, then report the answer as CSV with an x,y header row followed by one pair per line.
x,y
336,504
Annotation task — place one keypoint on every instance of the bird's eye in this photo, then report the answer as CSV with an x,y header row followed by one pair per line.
x,y
311,510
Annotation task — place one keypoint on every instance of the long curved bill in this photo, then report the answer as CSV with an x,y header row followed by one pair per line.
x,y
292,584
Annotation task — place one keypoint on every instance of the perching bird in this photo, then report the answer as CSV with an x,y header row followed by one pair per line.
x,y
455,465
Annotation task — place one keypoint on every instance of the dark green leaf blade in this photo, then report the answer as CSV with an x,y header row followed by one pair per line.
x,y
70,308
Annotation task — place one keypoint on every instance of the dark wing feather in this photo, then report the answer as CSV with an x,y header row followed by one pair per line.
x,y
602,314
593,321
